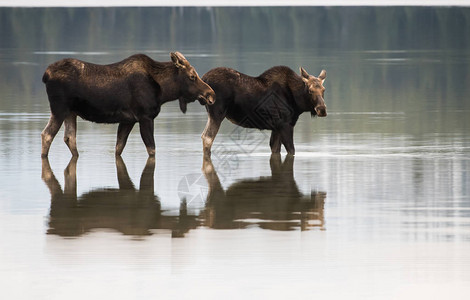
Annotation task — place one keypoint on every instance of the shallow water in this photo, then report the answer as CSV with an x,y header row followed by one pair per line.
x,y
376,200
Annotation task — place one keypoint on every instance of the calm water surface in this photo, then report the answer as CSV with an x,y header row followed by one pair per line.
x,y
375,204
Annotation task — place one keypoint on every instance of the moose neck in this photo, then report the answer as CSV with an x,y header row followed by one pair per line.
x,y
300,93
165,75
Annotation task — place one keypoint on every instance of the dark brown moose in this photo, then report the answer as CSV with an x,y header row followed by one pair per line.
x,y
274,100
128,92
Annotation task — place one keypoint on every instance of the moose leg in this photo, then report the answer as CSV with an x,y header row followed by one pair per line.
x,y
275,164
275,142
49,179
124,130
70,134
49,132
124,180
70,177
287,139
288,165
146,132
146,179
209,133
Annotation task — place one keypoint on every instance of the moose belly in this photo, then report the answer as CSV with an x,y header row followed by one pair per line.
x,y
260,117
104,114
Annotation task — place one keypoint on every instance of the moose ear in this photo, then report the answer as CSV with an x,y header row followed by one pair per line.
x,y
304,74
322,76
178,59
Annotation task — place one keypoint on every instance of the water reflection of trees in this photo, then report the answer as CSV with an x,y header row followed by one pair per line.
x,y
274,202
348,28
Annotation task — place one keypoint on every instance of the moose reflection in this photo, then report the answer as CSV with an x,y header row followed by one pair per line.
x,y
126,209
273,202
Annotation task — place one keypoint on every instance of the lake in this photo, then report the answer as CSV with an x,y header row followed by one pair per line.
x,y
374,205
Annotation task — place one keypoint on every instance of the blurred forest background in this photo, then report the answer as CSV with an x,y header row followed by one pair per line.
x,y
377,58
288,28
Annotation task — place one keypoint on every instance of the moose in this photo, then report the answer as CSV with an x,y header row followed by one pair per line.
x,y
274,101
127,92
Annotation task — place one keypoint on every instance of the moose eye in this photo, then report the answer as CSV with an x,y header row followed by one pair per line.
x,y
192,77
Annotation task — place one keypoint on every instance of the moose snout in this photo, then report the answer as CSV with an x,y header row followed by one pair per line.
x,y
207,98
321,111
210,98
